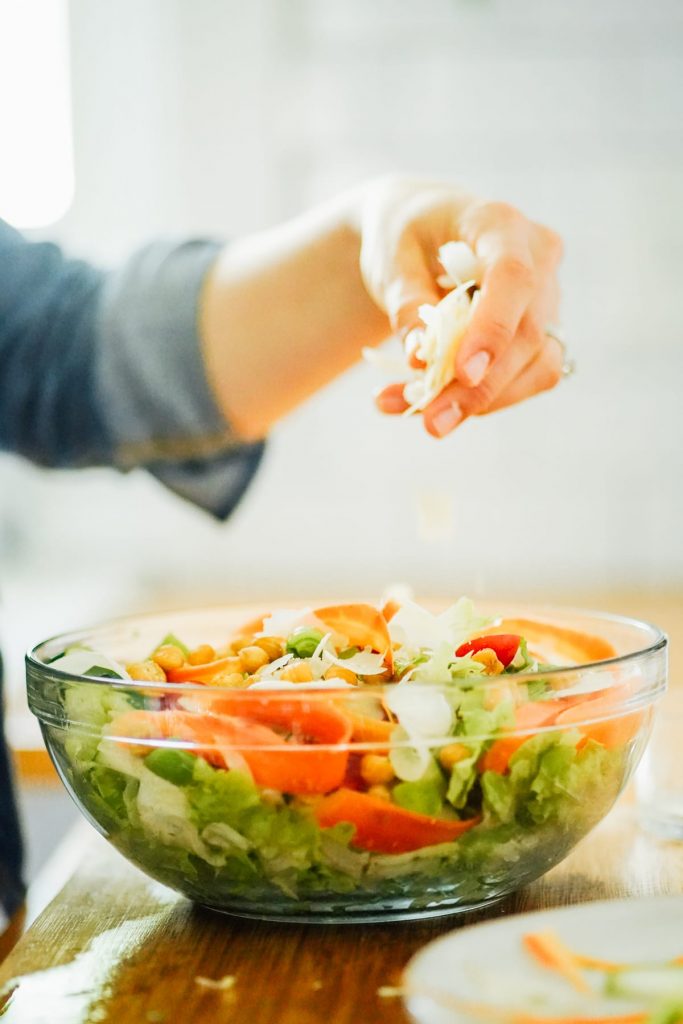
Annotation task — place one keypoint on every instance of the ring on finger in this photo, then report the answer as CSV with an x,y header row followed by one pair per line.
x,y
555,333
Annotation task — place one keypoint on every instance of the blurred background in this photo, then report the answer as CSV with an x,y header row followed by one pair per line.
x,y
122,122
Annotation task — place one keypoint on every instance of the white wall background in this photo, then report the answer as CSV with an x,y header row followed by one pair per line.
x,y
219,116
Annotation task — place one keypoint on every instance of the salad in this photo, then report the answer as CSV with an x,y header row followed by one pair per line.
x,y
347,759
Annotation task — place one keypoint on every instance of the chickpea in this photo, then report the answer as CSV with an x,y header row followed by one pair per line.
x,y
230,681
376,770
148,671
253,658
451,754
238,642
380,677
273,647
297,672
489,659
337,672
272,797
168,657
230,665
202,655
380,792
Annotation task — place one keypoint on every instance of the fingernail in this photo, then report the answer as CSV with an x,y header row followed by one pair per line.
x,y
476,367
446,419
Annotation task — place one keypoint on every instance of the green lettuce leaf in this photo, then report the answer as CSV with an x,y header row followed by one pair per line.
x,y
551,780
425,795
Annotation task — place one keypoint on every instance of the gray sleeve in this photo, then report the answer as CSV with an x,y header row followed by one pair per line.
x,y
155,399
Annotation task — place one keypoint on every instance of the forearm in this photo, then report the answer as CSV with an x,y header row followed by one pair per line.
x,y
284,312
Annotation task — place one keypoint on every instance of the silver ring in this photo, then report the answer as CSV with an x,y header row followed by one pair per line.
x,y
568,365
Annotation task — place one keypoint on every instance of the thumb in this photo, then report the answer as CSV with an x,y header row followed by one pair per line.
x,y
400,281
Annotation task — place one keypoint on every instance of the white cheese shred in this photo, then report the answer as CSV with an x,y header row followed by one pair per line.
x,y
445,325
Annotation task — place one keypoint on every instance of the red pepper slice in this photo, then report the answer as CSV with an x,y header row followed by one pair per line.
x,y
504,645
384,827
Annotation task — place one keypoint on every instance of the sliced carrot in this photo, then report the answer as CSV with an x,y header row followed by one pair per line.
x,y
532,715
302,768
389,609
550,952
253,626
200,673
308,718
366,729
384,827
362,625
616,727
570,643
197,729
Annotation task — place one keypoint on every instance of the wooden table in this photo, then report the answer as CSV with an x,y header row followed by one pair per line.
x,y
116,947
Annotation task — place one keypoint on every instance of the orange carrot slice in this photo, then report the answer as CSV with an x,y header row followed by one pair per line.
x,y
200,673
550,952
304,767
362,624
613,731
532,715
370,730
568,643
385,827
389,609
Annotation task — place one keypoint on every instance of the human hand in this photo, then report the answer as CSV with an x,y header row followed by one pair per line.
x,y
506,354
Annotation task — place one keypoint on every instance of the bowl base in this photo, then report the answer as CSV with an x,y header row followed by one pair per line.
x,y
368,915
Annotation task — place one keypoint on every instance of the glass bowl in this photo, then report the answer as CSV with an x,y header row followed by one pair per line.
x,y
254,802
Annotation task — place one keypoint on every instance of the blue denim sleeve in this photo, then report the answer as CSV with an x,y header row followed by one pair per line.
x,y
105,368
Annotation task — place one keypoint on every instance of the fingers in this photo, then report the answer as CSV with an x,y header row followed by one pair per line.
x,y
458,401
542,374
508,286
409,285
390,400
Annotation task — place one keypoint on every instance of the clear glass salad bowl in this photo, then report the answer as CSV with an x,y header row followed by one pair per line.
x,y
398,780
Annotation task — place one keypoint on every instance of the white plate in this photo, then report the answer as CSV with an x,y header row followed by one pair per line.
x,y
487,963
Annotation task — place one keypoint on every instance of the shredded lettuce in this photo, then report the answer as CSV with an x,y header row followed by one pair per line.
x,y
426,794
83,661
552,780
464,775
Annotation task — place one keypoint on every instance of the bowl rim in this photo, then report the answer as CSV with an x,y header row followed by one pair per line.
x,y
659,643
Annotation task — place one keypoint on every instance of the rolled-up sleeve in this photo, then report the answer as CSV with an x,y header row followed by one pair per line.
x,y
105,368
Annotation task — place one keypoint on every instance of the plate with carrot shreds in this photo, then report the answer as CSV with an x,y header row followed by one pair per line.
x,y
608,962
